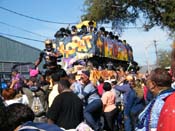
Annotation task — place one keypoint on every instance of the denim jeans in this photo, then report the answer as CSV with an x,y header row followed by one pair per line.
x,y
127,121
92,113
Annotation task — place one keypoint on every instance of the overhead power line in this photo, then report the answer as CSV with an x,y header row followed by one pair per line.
x,y
34,18
5,34
129,27
19,28
53,22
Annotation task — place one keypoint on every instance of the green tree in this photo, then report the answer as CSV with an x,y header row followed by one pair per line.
x,y
123,12
164,58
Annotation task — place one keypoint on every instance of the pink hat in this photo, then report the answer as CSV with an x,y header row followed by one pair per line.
x,y
33,72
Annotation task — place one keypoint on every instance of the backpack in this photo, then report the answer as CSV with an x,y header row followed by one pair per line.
x,y
37,107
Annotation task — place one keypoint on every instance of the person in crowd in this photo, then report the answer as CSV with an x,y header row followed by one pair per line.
x,y
1,102
118,94
125,89
159,83
20,118
83,30
149,96
3,85
100,86
51,57
119,104
38,97
74,30
167,115
42,81
93,103
66,110
62,73
54,92
11,96
135,104
3,117
109,106
8,93
101,32
17,80
60,33
90,26
76,86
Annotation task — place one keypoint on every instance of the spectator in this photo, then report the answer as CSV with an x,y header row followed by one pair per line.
x,y
67,109
76,86
93,108
3,85
135,104
20,118
10,96
100,86
17,80
118,94
109,107
3,117
125,89
37,96
54,92
159,83
167,115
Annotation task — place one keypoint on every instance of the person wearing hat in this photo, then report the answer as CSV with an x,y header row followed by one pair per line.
x,y
51,57
93,107
90,26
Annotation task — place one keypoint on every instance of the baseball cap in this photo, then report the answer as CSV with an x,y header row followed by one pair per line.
x,y
87,73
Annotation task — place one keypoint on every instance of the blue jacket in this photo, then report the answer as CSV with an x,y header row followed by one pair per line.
x,y
31,126
134,104
125,89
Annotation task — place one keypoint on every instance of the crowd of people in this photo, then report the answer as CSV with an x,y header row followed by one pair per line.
x,y
127,100
58,100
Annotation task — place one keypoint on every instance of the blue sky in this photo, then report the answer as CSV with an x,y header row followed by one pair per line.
x,y
70,11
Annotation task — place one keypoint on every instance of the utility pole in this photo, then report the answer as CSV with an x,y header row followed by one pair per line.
x,y
147,59
156,52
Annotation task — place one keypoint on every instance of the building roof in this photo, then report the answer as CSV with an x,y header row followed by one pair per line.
x,y
20,43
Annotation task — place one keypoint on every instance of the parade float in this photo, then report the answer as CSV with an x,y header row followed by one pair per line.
x,y
104,53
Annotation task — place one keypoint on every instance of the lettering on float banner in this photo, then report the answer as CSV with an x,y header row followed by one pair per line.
x,y
90,45
76,44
